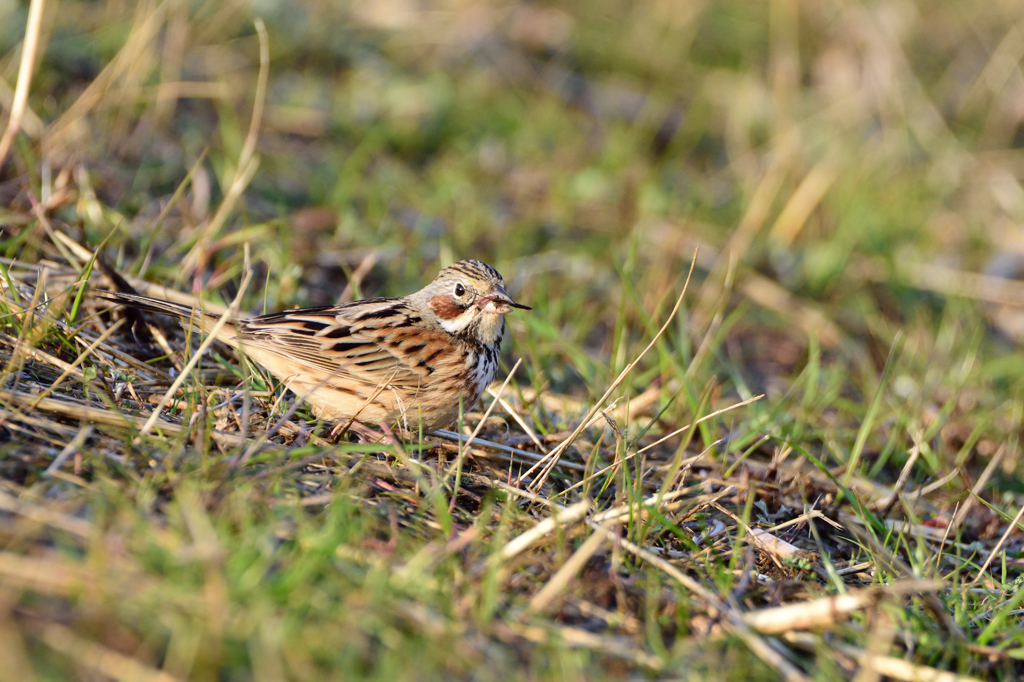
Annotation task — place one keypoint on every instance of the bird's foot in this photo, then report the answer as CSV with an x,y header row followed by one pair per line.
x,y
367,434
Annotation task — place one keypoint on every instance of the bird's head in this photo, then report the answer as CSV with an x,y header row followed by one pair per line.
x,y
468,299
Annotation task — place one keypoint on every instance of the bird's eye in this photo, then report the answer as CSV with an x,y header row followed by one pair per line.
x,y
459,290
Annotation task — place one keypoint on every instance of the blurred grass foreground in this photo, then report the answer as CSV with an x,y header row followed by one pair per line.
x,y
813,471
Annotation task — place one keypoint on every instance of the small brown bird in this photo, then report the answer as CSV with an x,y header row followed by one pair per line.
x,y
387,361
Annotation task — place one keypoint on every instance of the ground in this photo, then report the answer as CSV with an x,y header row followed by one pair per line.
x,y
765,415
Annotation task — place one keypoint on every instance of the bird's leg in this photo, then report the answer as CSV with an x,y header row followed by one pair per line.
x,y
364,432
367,434
370,436
390,437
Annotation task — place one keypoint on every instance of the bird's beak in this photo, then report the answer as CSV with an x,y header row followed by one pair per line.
x,y
499,302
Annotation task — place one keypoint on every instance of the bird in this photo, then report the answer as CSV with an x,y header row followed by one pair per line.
x,y
411,361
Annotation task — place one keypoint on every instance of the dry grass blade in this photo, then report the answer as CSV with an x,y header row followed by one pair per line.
x,y
933,486
76,443
104,416
562,517
827,611
248,162
659,501
773,545
49,576
999,546
552,457
698,422
805,199
41,514
899,669
757,211
811,514
98,658
979,486
892,668
944,280
61,133
578,638
28,59
915,452
523,424
566,572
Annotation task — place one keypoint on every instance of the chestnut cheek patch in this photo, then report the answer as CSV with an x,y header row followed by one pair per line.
x,y
445,307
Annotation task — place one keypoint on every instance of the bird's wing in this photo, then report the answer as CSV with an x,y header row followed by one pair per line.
x,y
371,341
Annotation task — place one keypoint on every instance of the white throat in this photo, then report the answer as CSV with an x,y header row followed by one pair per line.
x,y
489,326
458,324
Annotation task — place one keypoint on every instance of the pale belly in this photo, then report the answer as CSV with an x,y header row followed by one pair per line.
x,y
431,407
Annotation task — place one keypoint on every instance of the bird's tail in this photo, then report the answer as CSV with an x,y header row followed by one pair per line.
x,y
189,316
